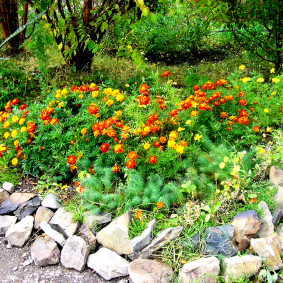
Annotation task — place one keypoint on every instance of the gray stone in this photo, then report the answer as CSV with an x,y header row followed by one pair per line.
x,y
269,248
75,253
246,225
3,195
14,201
276,176
9,187
279,231
115,236
203,270
218,241
163,238
42,214
63,222
267,227
58,237
27,208
88,236
91,220
44,251
51,201
108,264
278,212
192,242
6,221
18,234
235,268
150,271
139,242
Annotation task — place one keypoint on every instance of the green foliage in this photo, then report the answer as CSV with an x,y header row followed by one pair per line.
x,y
136,227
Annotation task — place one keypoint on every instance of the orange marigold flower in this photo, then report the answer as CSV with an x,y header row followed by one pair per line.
x,y
152,118
23,107
222,100
243,120
104,147
183,143
228,97
166,74
72,159
138,214
144,100
156,144
133,155
31,127
84,131
72,142
228,128
256,129
196,88
77,184
243,113
15,101
73,88
54,121
84,88
252,109
255,103
72,168
93,109
241,93
162,140
131,164
152,159
118,148
223,115
162,106
115,169
242,102
159,204
194,113
143,88
216,103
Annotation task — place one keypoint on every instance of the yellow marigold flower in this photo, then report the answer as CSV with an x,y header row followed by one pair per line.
x,y
60,105
109,102
197,137
226,159
6,135
173,135
273,93
81,96
95,93
64,91
242,67
80,155
2,148
119,97
260,80
14,133
15,119
261,150
272,70
118,113
275,80
171,143
181,129
22,120
194,104
58,95
23,129
6,124
189,122
221,165
245,80
266,110
179,149
269,129
15,161
147,129
126,85
108,91
16,142
92,85
97,115
51,103
83,131
115,92
146,146
135,132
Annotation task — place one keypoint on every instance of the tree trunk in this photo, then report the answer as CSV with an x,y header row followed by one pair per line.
x,y
82,58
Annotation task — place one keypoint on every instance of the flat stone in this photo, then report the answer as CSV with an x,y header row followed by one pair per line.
x,y
203,270
75,253
9,187
14,201
163,238
44,251
18,234
56,236
63,222
139,242
108,264
6,221
218,240
246,225
278,211
150,271
269,248
27,208
236,267
3,195
115,236
51,201
91,220
276,176
42,214
267,227
88,236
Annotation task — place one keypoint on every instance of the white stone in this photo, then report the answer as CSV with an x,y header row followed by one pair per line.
x,y
6,222
9,187
56,236
267,227
51,201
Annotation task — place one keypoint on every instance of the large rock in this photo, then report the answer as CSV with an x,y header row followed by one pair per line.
x,y
267,227
6,221
218,241
88,236
51,201
203,270
3,195
246,225
158,242
108,264
91,220
9,187
44,251
235,268
276,176
139,242
27,208
42,214
150,271
115,236
75,253
56,236
278,211
19,233
14,201
63,222
269,248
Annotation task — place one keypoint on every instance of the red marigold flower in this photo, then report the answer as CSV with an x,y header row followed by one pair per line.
x,y
15,101
196,88
93,109
40,148
119,148
252,109
242,102
143,88
104,147
223,115
138,214
23,107
84,88
152,159
174,112
93,88
8,106
243,113
162,106
77,184
156,144
216,103
218,83
166,74
132,155
115,169
255,103
241,93
222,100
119,124
73,88
152,118
25,113
54,121
31,127
159,204
144,100
72,142
131,164
72,159
163,139
256,129
228,128
243,120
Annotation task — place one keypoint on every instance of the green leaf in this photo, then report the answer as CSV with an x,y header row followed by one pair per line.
x,y
153,18
104,26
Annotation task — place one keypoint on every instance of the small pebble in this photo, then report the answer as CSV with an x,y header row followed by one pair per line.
x,y
15,268
9,246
